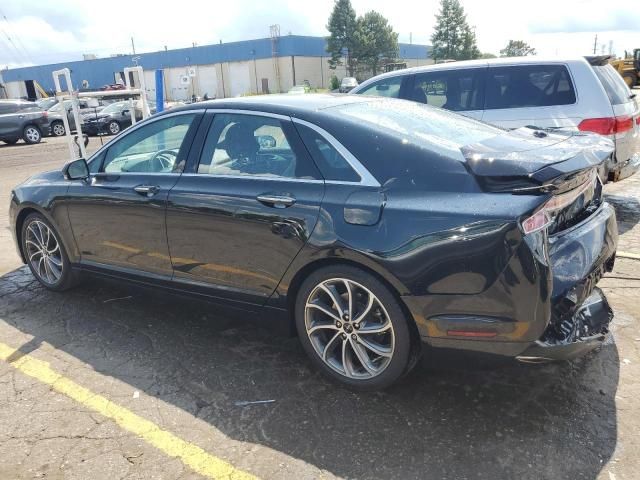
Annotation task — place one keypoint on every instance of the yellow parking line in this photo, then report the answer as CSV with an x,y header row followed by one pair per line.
x,y
191,455
633,256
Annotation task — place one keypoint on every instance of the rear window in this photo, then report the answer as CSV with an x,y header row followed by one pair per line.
x,y
528,86
613,84
432,128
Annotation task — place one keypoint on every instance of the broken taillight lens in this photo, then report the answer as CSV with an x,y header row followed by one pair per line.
x,y
536,222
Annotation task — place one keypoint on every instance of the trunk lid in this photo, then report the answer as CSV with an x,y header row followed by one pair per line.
x,y
530,160
536,162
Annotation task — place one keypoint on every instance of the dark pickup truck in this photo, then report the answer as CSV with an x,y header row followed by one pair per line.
x,y
21,119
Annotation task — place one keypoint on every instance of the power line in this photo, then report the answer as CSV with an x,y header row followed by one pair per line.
x,y
12,44
9,51
13,33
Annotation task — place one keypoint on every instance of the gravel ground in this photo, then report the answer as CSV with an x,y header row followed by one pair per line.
x,y
180,365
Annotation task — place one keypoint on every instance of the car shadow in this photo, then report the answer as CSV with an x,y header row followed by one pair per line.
x,y
627,211
519,421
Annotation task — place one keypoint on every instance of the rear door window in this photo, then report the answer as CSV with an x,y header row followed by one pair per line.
x,y
613,84
456,90
6,108
387,87
528,86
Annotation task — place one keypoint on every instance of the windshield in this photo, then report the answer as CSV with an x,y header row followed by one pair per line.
x,y
419,124
114,107
46,103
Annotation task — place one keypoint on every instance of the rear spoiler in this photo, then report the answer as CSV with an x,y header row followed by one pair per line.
x,y
598,60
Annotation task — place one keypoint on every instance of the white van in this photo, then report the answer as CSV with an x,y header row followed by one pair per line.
x,y
583,93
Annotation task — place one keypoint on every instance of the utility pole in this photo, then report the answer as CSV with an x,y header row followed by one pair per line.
x,y
595,44
133,46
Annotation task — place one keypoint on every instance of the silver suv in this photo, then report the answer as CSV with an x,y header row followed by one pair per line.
x,y
583,93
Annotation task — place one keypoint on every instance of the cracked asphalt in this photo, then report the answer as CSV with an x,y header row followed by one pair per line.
x,y
179,364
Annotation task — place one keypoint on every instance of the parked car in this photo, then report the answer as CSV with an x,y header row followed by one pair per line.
x,y
347,84
110,120
298,90
583,94
55,114
21,119
369,226
46,103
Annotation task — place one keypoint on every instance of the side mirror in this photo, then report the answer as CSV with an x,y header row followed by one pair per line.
x,y
266,141
125,112
76,170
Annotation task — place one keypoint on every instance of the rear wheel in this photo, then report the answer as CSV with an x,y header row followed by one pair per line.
x,y
45,254
57,129
31,134
113,127
353,328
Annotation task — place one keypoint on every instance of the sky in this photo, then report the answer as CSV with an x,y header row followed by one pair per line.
x,y
42,31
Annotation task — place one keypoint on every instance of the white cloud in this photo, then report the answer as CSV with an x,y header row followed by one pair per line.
x,y
63,30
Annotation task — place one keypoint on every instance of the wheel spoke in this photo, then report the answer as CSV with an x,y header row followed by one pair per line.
x,y
33,255
316,328
375,328
335,297
56,261
346,365
367,309
324,310
53,269
347,285
376,348
328,347
363,357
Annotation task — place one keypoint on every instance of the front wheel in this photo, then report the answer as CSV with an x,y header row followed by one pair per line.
x,y
45,254
31,134
353,328
113,127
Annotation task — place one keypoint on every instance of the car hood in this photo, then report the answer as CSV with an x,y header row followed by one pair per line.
x,y
529,157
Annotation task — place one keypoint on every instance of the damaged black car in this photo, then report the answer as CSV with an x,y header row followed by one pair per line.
x,y
374,229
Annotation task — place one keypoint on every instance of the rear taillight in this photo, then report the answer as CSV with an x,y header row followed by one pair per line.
x,y
606,126
545,216
45,114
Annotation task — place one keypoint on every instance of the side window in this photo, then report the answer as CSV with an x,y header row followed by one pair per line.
x,y
96,163
456,90
387,87
254,145
152,148
6,108
331,163
528,86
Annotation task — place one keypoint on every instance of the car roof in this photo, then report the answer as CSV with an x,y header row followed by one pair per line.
x,y
484,62
281,104
17,102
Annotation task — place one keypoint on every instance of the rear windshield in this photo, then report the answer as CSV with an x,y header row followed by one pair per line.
x,y
613,84
422,125
528,86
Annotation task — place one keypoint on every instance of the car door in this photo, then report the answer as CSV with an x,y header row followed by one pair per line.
x,y
244,208
118,216
9,120
541,95
459,90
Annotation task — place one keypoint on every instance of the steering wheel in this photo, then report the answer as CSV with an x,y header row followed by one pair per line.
x,y
164,159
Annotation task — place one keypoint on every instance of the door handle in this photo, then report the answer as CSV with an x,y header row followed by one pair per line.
x,y
277,201
148,190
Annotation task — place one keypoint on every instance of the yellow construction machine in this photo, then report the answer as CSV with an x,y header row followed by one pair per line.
x,y
629,67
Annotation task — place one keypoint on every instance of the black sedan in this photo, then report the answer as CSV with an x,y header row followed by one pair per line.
x,y
110,120
373,228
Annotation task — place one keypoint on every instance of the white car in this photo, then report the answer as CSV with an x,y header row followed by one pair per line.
x,y
586,94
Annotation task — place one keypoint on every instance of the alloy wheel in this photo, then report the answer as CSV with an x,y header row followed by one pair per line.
x,y
32,134
43,252
58,129
349,328
114,128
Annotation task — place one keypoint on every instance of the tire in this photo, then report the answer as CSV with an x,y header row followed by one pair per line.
x,y
57,129
113,128
322,331
11,141
44,266
31,134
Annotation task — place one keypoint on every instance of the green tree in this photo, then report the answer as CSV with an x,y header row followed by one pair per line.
x,y
453,38
342,27
375,41
517,48
487,55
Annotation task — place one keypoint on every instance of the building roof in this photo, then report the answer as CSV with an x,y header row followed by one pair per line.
x,y
100,71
